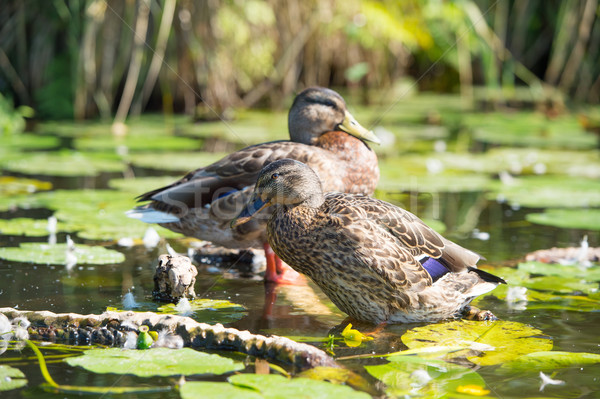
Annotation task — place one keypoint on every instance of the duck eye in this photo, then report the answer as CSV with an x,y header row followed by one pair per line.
x,y
274,176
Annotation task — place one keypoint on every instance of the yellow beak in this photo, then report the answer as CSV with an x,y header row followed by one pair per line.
x,y
351,126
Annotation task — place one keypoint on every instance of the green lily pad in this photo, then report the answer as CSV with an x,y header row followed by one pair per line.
x,y
11,378
26,141
255,386
176,161
25,227
10,186
153,362
65,163
565,285
210,310
136,143
551,360
140,185
498,341
549,192
588,219
529,129
412,376
44,254
553,269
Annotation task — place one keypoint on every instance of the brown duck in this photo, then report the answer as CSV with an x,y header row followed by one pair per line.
x,y
375,261
323,134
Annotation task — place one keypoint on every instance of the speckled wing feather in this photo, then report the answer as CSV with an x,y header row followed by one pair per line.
x,y
237,171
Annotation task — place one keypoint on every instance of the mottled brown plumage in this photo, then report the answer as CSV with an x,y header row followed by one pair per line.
x,y
365,254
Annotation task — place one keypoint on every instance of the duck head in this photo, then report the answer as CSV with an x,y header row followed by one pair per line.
x,y
318,110
283,182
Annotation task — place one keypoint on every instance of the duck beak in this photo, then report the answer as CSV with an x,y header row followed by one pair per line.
x,y
255,205
351,126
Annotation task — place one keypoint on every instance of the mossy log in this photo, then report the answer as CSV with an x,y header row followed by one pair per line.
x,y
110,327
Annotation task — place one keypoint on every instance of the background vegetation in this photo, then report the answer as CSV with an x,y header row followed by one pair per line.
x,y
112,58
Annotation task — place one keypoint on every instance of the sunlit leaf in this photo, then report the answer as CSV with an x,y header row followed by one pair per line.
x,y
44,254
588,219
175,161
412,376
65,164
559,284
26,141
153,362
497,342
11,378
24,226
140,185
553,269
209,310
136,143
10,185
551,360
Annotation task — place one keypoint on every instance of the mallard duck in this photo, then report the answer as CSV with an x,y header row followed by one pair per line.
x,y
375,261
323,134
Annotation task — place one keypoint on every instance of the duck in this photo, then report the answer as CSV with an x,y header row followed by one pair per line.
x,y
377,262
323,134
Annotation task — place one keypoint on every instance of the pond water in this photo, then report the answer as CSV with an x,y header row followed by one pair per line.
x,y
475,213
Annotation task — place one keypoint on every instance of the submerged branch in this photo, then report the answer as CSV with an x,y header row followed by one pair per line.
x,y
108,327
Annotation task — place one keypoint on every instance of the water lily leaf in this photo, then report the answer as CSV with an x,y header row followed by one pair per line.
x,y
11,378
551,360
153,362
442,182
554,269
412,376
588,219
136,143
10,186
497,342
208,310
175,161
511,275
24,227
548,192
140,185
337,375
256,386
65,163
26,141
563,285
44,254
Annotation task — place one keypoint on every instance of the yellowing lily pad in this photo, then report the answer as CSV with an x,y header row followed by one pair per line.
x,y
495,342
153,362
412,376
256,386
11,378
10,186
588,219
175,161
551,360
208,310
45,254
65,164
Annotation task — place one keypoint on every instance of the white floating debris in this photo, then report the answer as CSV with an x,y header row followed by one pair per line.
x,y
52,222
151,238
548,381
434,166
184,308
419,378
480,235
126,242
539,168
129,301
582,253
168,340
70,243
130,341
506,178
440,146
516,298
70,257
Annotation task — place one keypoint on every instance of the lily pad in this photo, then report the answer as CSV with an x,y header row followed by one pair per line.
x,y
26,141
255,386
177,161
44,254
551,360
136,143
65,163
412,376
497,342
11,378
588,219
25,227
209,310
10,186
140,185
549,192
565,285
153,362
553,269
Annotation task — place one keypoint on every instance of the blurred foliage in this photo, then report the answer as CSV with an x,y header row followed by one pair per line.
x,y
92,58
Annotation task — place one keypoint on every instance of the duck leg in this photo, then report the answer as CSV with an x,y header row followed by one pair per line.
x,y
277,271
